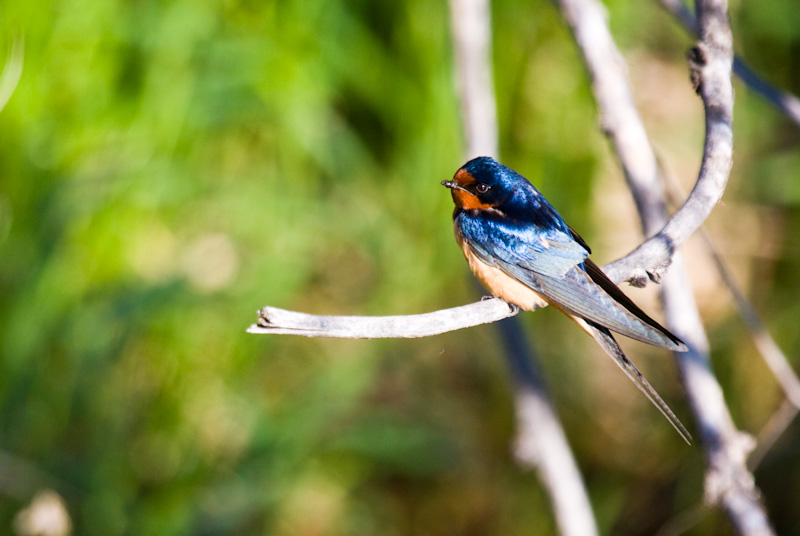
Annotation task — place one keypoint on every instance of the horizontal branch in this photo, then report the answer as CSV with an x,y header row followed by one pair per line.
x,y
272,320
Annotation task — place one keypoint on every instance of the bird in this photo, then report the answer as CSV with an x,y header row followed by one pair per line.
x,y
523,252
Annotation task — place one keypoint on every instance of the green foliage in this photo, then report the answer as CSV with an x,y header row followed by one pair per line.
x,y
166,168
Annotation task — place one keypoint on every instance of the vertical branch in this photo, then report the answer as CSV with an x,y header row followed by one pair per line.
x,y
540,442
728,482
470,22
619,119
772,354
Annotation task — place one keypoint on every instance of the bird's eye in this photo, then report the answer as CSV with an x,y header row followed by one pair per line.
x,y
482,188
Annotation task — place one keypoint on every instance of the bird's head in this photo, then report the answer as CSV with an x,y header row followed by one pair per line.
x,y
484,184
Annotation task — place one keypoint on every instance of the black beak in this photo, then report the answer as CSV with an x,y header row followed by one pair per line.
x,y
453,186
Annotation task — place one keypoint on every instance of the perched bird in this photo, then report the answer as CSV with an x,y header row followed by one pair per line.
x,y
523,252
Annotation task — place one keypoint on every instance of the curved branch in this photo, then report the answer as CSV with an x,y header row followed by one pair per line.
x,y
728,482
620,121
272,320
782,100
710,63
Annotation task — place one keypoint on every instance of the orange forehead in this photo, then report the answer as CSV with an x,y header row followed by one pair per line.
x,y
463,178
466,200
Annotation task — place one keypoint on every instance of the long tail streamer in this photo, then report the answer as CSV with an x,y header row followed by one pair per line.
x,y
609,344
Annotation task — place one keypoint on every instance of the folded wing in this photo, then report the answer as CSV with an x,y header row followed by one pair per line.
x,y
555,265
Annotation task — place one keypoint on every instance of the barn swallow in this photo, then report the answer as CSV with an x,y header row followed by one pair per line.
x,y
524,253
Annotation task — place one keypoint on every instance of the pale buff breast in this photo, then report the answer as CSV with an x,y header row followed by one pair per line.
x,y
500,284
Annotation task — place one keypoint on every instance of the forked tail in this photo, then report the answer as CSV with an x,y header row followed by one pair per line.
x,y
606,341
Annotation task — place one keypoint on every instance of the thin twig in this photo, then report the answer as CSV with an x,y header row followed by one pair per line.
x,y
275,321
772,431
682,522
782,100
773,356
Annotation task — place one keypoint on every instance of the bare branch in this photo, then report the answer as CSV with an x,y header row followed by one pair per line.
x,y
682,522
728,482
782,100
773,356
769,350
770,432
621,122
711,69
540,442
619,119
470,22
272,320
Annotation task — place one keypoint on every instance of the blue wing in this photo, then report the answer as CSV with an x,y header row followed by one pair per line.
x,y
543,255
546,250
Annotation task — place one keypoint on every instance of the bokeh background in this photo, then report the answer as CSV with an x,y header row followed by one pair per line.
x,y
166,168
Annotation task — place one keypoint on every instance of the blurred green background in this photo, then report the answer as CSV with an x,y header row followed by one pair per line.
x,y
167,168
